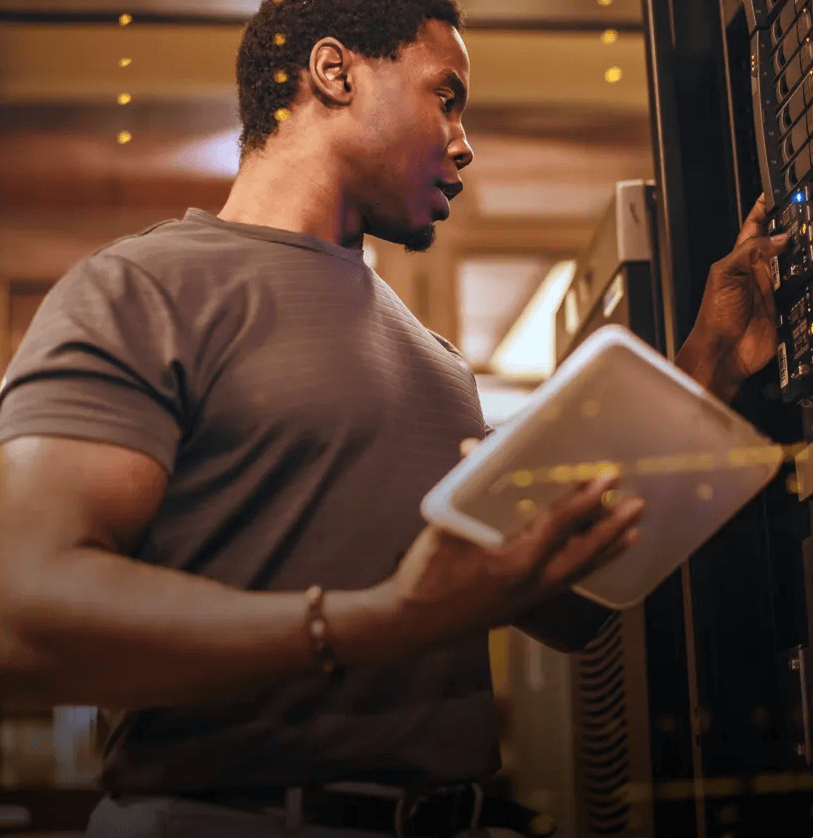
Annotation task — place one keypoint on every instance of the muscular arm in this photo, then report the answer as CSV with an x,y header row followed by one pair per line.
x,y
84,624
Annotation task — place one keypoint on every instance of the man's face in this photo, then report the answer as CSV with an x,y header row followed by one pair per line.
x,y
409,143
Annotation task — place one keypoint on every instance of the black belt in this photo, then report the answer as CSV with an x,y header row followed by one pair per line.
x,y
419,813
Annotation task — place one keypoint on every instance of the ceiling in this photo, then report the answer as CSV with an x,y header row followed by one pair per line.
x,y
550,12
551,136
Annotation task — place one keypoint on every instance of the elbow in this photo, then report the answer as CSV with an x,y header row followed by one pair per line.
x,y
26,671
26,677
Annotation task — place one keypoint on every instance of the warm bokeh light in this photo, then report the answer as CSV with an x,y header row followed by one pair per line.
x,y
609,36
125,20
604,2
125,99
125,62
529,348
124,137
613,75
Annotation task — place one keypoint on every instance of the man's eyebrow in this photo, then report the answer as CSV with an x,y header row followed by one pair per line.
x,y
452,78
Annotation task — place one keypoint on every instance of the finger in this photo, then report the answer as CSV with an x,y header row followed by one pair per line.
x,y
468,445
751,260
755,249
612,551
565,513
756,222
581,552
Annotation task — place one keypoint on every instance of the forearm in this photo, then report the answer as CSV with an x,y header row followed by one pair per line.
x,y
710,364
567,622
98,628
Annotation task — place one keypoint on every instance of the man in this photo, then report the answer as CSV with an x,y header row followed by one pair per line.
x,y
216,435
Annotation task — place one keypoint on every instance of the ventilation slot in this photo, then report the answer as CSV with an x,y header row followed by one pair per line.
x,y
603,738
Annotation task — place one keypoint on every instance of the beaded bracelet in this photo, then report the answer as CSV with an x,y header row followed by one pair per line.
x,y
317,630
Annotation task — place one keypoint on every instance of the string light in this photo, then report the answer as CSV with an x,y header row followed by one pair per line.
x,y
124,137
609,36
280,77
282,114
604,2
280,39
613,75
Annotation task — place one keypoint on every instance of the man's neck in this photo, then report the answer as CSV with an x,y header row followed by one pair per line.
x,y
288,192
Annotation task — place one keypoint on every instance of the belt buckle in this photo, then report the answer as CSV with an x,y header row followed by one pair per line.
x,y
408,805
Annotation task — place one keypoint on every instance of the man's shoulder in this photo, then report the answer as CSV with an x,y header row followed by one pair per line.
x,y
176,258
446,344
168,244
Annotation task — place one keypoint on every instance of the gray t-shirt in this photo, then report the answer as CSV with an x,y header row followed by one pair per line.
x,y
302,412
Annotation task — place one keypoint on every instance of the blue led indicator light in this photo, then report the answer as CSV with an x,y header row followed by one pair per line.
x,y
798,197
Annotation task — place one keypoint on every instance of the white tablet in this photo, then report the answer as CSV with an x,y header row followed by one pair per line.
x,y
615,405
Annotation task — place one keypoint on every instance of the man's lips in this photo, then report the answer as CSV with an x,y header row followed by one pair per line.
x,y
447,209
451,189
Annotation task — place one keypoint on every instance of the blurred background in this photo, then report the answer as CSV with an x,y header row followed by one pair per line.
x,y
117,115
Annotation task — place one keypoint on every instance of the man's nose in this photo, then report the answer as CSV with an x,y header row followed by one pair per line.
x,y
461,151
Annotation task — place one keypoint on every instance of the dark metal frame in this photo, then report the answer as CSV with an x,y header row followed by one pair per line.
x,y
742,587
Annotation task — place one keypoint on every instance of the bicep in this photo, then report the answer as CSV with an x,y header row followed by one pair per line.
x,y
59,494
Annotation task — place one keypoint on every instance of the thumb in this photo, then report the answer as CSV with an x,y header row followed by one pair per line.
x,y
751,251
467,446
779,242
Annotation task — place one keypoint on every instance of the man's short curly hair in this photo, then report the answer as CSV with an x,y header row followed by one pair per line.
x,y
277,44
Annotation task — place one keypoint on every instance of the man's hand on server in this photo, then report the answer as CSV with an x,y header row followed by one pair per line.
x,y
735,332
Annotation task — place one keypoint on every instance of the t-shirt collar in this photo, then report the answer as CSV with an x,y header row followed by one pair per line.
x,y
272,234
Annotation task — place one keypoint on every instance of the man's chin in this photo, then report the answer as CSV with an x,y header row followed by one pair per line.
x,y
414,239
420,239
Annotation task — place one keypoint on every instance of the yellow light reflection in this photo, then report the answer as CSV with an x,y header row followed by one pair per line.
x,y
523,478
526,508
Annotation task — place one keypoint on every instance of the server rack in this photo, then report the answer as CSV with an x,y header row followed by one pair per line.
x,y
744,592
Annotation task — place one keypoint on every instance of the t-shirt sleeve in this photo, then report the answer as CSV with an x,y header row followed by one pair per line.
x,y
103,360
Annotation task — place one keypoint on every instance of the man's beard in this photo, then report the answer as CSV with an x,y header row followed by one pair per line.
x,y
419,239
414,239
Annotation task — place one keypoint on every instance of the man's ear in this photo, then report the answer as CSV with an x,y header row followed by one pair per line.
x,y
330,70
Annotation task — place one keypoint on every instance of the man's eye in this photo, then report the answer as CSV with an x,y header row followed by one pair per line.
x,y
448,102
